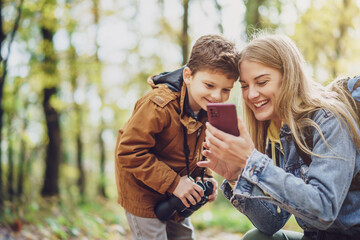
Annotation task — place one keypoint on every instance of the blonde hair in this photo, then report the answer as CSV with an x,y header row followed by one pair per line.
x,y
281,53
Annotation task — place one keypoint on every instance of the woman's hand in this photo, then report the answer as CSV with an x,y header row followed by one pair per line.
x,y
227,154
224,169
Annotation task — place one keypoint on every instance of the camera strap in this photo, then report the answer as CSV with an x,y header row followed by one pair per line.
x,y
187,152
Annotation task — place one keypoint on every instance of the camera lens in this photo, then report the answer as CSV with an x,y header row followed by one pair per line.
x,y
166,209
208,188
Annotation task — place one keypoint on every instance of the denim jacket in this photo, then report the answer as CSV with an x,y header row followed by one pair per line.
x,y
318,195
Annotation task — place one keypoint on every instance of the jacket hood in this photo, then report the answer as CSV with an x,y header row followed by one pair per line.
x,y
173,80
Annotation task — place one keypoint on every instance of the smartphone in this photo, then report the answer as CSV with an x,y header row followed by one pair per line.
x,y
224,117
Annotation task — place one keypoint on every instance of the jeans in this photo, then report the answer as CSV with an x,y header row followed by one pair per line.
x,y
152,228
255,234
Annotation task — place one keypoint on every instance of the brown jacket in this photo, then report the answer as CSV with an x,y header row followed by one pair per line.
x,y
149,154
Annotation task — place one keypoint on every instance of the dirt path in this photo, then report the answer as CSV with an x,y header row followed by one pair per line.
x,y
212,234
32,232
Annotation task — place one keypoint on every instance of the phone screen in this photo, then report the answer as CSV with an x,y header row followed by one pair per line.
x,y
224,117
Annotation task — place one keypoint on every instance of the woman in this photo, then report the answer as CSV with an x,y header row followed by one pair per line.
x,y
270,181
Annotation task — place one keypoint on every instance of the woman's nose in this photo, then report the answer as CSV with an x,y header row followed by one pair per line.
x,y
252,93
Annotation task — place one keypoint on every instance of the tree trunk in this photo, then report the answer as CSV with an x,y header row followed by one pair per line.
x,y
102,181
53,150
52,159
2,80
102,190
219,10
79,157
252,15
339,42
3,72
20,181
184,34
10,139
78,121
10,178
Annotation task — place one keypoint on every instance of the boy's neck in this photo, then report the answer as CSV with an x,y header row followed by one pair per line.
x,y
188,110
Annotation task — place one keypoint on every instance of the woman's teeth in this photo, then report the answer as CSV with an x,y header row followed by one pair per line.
x,y
259,104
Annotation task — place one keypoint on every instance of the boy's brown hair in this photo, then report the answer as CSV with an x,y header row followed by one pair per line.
x,y
215,53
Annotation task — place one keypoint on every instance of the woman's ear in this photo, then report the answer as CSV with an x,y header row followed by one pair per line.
x,y
187,75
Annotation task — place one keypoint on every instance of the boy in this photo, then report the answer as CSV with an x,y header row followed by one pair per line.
x,y
158,148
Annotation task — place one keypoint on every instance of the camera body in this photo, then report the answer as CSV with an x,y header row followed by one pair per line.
x,y
166,209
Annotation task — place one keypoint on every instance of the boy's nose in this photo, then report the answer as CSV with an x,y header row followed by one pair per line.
x,y
216,96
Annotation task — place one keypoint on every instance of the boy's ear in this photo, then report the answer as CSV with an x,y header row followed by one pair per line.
x,y
187,75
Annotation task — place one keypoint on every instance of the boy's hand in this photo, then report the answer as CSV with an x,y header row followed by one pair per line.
x,y
214,193
188,191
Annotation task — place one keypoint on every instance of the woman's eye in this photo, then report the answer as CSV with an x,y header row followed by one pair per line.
x,y
208,85
262,83
226,90
244,86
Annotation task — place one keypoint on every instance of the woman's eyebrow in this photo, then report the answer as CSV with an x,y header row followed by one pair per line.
x,y
265,74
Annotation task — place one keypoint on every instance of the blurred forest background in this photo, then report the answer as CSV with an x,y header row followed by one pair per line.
x,y
71,71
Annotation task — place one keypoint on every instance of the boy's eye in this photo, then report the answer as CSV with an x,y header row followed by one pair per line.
x,y
244,86
226,90
208,85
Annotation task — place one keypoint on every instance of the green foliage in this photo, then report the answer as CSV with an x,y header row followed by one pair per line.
x,y
259,14
96,219
221,215
332,27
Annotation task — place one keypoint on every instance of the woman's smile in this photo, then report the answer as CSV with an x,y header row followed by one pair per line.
x,y
261,103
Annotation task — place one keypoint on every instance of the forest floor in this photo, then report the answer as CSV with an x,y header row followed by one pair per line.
x,y
32,232
102,219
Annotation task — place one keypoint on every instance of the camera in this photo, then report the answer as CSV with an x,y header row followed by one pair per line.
x,y
164,210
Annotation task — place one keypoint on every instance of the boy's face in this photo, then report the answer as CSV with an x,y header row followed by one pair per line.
x,y
205,87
